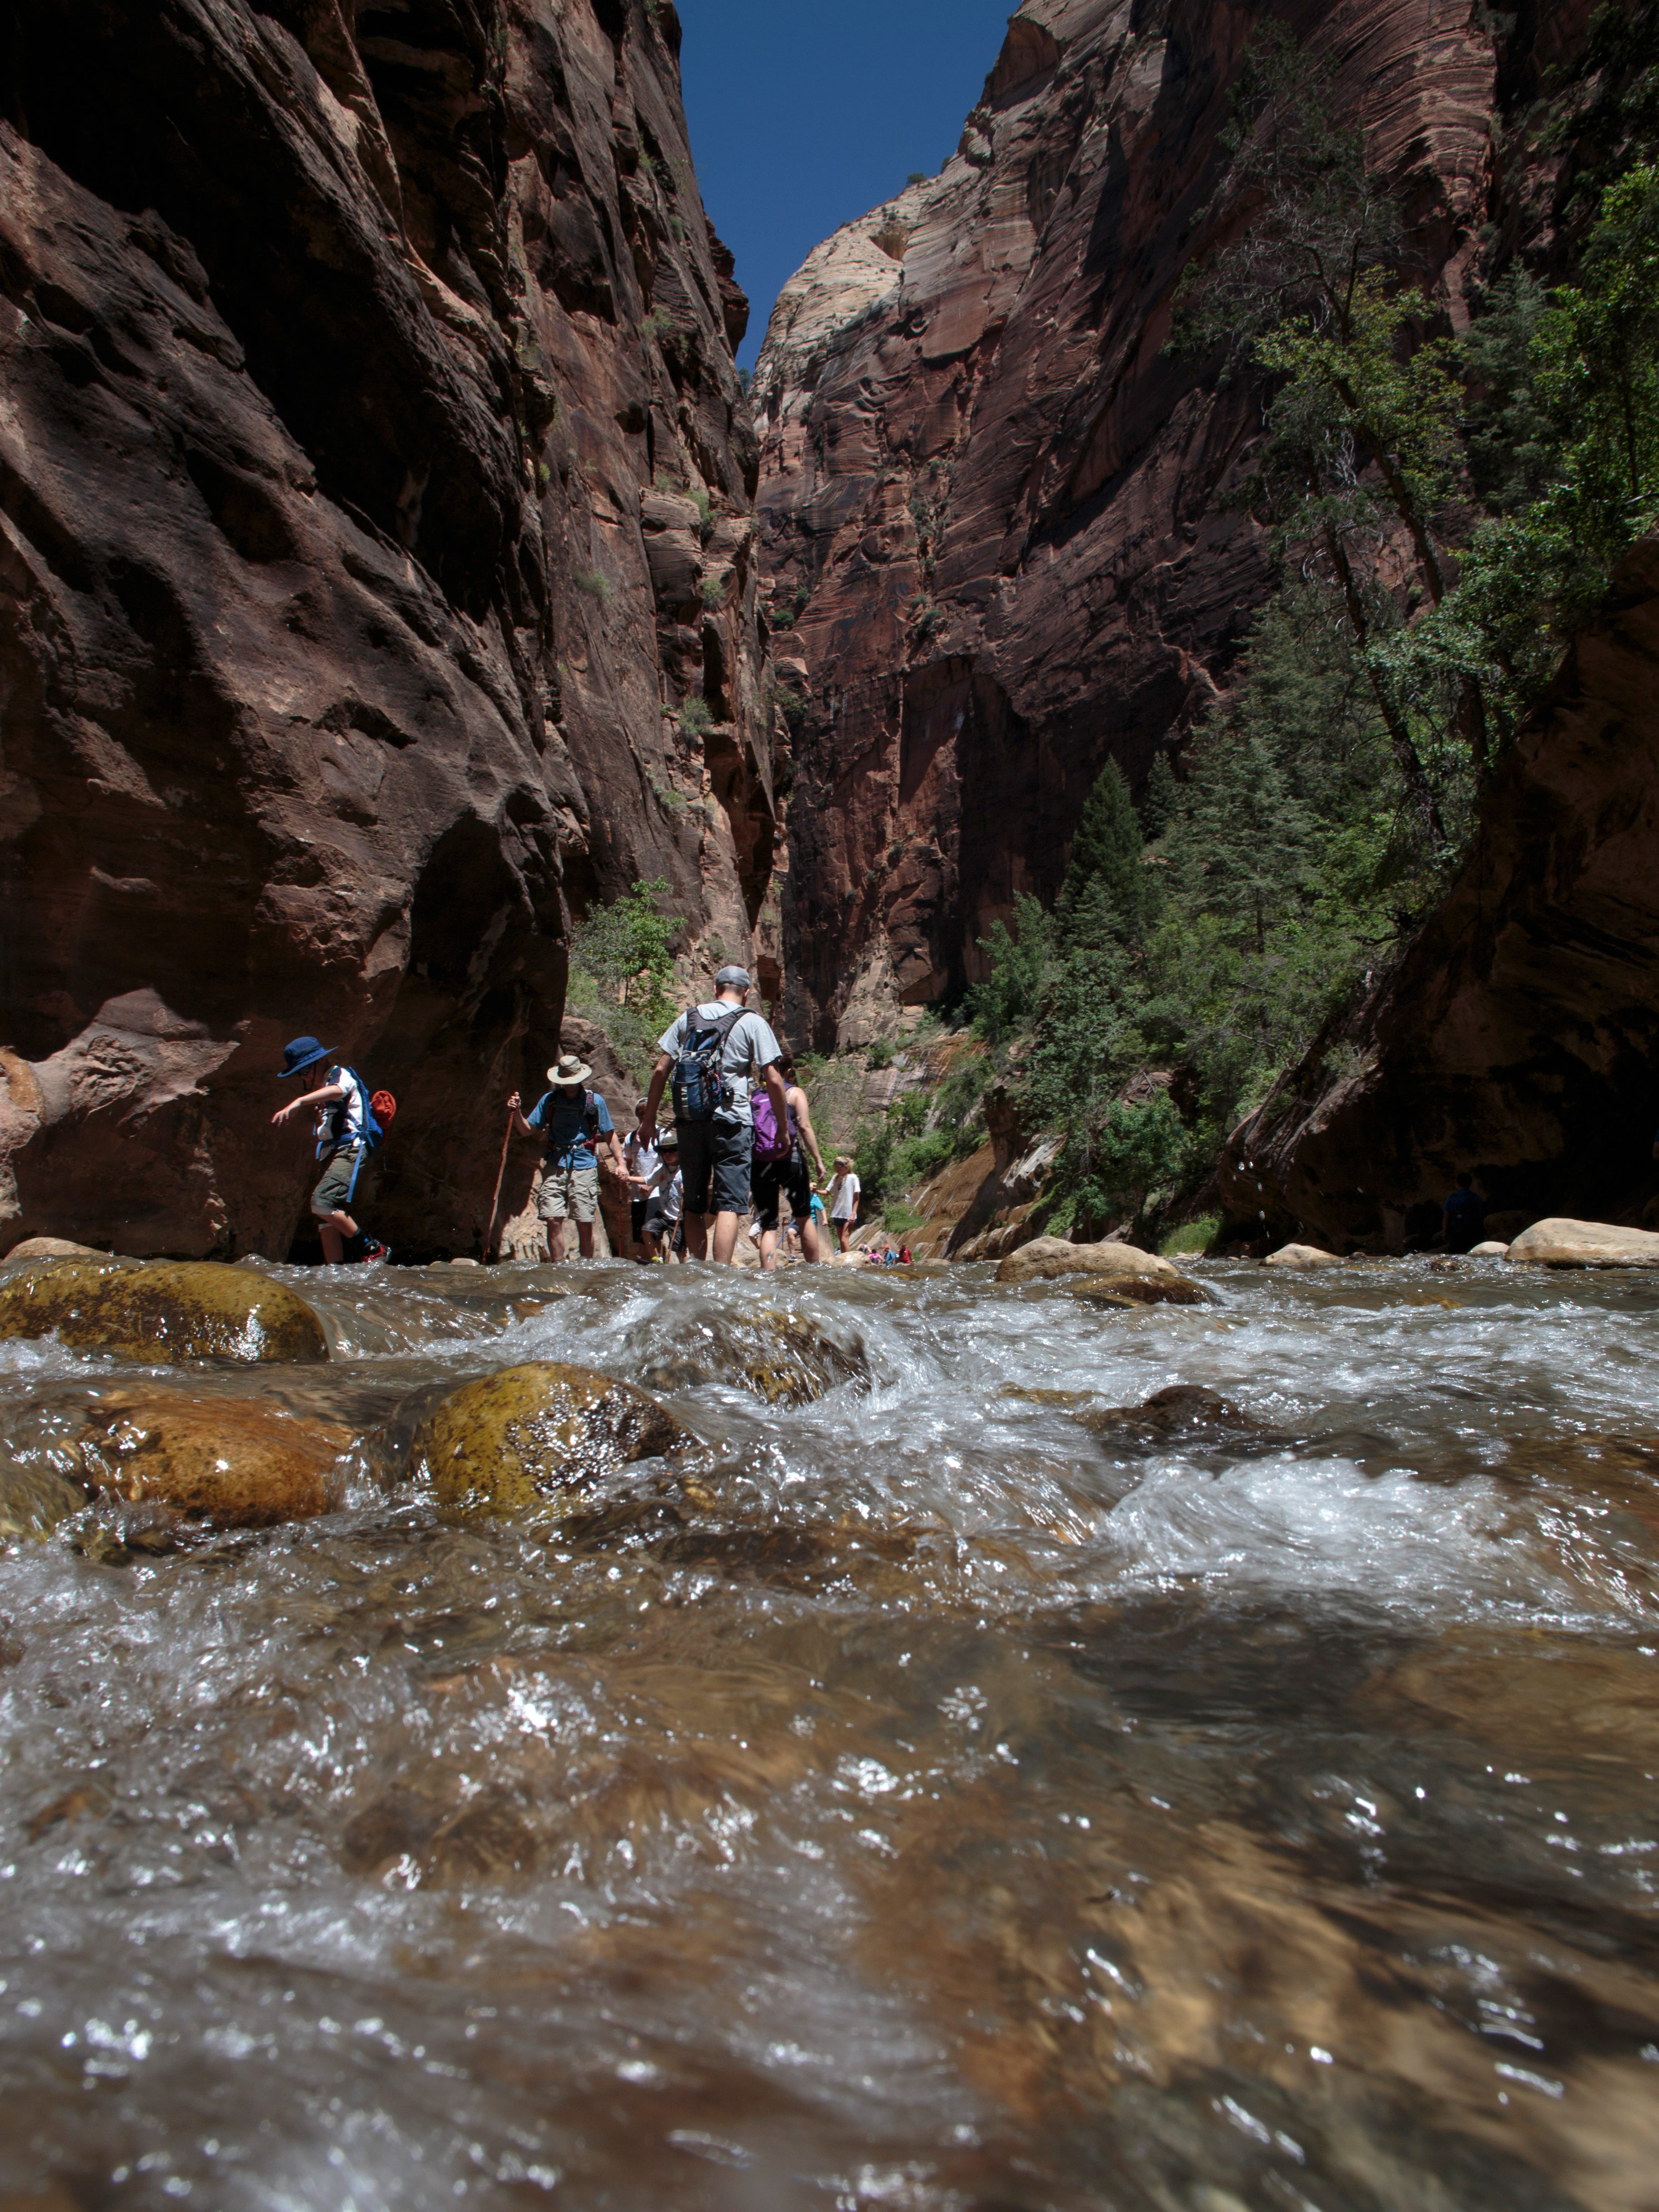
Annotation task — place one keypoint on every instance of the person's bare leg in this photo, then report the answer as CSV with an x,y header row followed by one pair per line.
x,y
809,1240
333,1245
697,1235
585,1239
649,1246
844,1231
726,1238
769,1250
556,1243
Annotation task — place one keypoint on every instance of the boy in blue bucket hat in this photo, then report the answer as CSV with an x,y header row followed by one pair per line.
x,y
342,1133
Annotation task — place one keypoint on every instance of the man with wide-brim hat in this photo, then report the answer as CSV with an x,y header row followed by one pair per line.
x,y
715,1124
574,1126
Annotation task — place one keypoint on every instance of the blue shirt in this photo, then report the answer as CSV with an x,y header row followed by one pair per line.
x,y
561,1116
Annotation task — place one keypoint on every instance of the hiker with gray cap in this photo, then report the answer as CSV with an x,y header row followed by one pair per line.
x,y
573,1124
714,1052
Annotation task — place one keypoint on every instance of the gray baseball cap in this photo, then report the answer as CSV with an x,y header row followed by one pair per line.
x,y
739,977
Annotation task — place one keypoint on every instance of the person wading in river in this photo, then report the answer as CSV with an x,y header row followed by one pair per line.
x,y
573,1124
780,1170
343,1133
642,1163
714,1052
844,1194
1463,1216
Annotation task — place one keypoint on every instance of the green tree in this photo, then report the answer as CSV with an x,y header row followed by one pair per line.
x,y
1104,896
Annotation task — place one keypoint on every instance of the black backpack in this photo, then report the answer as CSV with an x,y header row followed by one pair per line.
x,y
700,1085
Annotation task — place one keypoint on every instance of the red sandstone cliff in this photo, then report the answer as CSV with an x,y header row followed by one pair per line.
x,y
374,487
991,504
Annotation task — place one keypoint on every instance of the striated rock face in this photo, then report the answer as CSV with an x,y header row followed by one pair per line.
x,y
344,347
1518,1036
990,501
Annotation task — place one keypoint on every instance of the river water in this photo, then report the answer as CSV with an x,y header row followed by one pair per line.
x,y
970,1795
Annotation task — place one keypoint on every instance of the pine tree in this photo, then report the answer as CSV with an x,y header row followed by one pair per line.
x,y
1104,896
1161,801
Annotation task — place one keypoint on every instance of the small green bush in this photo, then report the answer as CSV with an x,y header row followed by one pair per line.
x,y
881,1053
1192,1237
712,591
596,585
696,717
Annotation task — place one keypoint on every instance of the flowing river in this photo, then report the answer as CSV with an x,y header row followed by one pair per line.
x,y
966,1791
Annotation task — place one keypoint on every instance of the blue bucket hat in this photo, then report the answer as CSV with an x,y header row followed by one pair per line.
x,y
303,1053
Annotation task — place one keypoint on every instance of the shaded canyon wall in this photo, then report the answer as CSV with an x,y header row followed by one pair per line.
x,y
993,509
1519,1035
374,489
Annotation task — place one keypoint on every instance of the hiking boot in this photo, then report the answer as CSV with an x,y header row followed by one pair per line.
x,y
374,1253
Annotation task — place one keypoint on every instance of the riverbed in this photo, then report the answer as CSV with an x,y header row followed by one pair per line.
x,y
964,1791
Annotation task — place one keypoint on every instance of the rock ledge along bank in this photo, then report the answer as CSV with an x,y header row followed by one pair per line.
x,y
1519,1035
374,491
992,506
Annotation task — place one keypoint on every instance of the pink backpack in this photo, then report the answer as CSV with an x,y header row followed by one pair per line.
x,y
769,1144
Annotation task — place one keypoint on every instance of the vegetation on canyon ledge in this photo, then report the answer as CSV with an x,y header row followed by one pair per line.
x,y
1445,513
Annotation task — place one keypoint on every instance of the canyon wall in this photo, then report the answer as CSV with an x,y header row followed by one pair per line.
x,y
374,495
1519,1036
993,508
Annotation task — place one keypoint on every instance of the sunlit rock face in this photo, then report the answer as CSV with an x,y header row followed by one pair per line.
x,y
343,350
1516,1037
993,506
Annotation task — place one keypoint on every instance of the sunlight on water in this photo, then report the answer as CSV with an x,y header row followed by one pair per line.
x,y
977,1790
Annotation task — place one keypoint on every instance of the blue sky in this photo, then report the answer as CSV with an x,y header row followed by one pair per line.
x,y
803,116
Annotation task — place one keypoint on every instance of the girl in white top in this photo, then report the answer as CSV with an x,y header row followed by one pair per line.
x,y
844,1200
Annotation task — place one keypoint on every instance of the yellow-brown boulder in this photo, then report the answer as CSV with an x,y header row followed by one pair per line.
x,y
536,1435
167,1310
237,1464
1045,1259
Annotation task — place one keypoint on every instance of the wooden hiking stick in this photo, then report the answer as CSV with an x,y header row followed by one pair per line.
x,y
500,1174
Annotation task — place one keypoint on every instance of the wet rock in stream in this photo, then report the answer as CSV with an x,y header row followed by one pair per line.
x,y
1047,1259
165,1311
777,1354
234,1463
1186,1417
1121,1293
535,1435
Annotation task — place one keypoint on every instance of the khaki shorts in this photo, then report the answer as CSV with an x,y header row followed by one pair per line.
x,y
569,1194
337,1182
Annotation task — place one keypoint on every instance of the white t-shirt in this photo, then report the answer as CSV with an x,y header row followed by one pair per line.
x,y
673,1198
844,1197
749,1047
643,1160
344,1122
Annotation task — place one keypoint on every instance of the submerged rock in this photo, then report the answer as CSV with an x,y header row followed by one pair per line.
x,y
35,1498
1558,1243
1301,1256
1124,1291
167,1310
776,1352
536,1434
1187,1414
238,1465
1491,1249
1047,1258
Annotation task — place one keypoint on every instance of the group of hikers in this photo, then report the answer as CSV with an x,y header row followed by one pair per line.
x,y
741,1139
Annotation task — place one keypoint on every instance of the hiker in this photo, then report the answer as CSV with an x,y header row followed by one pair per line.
x,y
659,1233
642,1163
781,1169
904,1259
714,1052
573,1124
344,1128
1463,1216
844,1194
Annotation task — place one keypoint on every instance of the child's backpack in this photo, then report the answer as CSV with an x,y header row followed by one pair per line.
x,y
700,1085
377,1112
